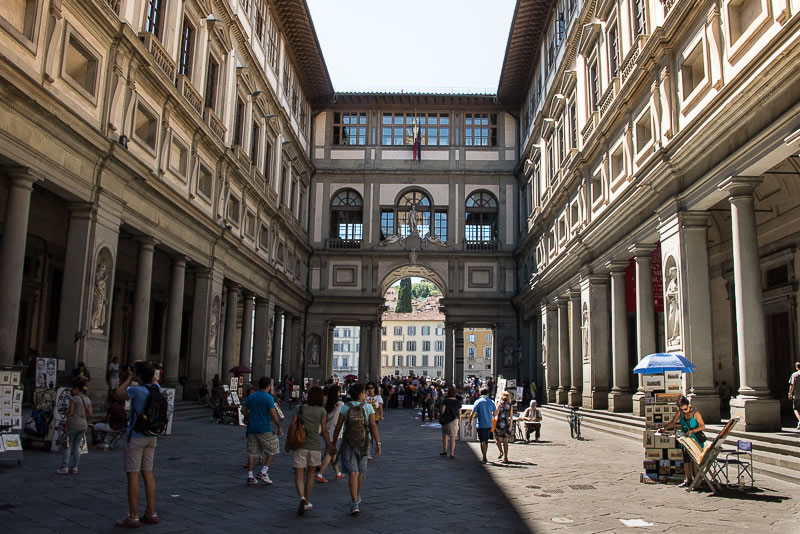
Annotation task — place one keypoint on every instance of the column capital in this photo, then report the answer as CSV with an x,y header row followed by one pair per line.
x,y
594,280
236,288
575,294
261,302
740,186
146,242
694,219
179,260
562,300
22,177
640,250
81,210
617,267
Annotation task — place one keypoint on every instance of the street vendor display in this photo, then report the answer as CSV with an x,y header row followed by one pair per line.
x,y
10,414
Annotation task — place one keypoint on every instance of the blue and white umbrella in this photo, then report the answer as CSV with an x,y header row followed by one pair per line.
x,y
658,363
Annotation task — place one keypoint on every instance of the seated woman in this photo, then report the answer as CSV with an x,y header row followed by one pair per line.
x,y
115,419
532,418
692,426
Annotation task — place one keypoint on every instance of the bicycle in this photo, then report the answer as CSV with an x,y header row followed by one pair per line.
x,y
575,424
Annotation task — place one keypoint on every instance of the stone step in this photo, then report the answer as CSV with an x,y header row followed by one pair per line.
x,y
778,457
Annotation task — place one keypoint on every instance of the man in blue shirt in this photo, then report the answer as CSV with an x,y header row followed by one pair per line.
x,y
140,449
483,409
261,440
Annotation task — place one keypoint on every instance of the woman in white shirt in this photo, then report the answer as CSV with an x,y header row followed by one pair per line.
x,y
332,407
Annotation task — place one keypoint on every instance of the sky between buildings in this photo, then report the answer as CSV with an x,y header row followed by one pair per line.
x,y
413,45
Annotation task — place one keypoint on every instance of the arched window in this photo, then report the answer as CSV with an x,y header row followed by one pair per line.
x,y
429,221
481,218
347,212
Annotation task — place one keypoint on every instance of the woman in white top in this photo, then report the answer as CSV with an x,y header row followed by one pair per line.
x,y
332,407
374,398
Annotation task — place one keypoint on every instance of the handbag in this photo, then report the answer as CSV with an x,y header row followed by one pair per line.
x,y
296,437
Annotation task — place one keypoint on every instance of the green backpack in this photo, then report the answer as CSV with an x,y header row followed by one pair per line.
x,y
356,433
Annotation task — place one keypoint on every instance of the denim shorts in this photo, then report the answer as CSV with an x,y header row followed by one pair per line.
x,y
352,461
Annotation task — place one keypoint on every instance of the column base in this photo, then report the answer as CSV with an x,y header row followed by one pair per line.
x,y
561,396
757,415
574,397
596,400
709,407
638,404
620,401
551,396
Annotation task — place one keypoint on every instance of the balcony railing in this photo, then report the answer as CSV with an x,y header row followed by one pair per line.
x,y
586,133
114,4
668,5
629,62
482,245
191,94
214,123
608,98
161,57
344,243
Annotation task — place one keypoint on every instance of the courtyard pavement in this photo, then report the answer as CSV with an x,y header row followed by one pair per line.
x,y
558,484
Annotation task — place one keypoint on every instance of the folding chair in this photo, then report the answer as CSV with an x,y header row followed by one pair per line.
x,y
705,458
742,458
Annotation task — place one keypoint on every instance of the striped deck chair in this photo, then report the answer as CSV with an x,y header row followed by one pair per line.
x,y
706,457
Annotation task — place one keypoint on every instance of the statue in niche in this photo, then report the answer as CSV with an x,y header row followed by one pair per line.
x,y
673,308
313,350
214,326
544,343
100,292
413,218
508,352
585,333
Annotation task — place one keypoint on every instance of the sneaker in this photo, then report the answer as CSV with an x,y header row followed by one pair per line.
x,y
62,471
150,519
308,506
354,509
251,481
73,471
321,479
264,477
301,509
797,427
340,476
683,484
128,522
358,499
442,454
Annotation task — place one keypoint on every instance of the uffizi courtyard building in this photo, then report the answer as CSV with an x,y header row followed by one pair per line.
x,y
180,182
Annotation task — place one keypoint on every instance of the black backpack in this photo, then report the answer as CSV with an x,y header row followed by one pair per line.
x,y
154,418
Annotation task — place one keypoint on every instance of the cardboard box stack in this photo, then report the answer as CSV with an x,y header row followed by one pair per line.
x,y
663,459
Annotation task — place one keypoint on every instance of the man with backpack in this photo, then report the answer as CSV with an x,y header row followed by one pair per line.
x,y
358,419
148,419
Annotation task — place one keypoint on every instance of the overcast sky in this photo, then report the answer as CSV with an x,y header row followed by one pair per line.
x,y
413,45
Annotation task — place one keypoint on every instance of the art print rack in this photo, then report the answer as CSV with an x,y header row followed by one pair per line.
x,y
11,389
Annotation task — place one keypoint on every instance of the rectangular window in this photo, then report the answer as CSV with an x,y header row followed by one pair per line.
x,y
573,126
346,332
383,345
411,345
335,362
187,49
412,330
146,125
426,346
153,20
234,214
613,51
397,345
350,128
425,360
594,86
480,129
472,338
345,347
383,330
471,352
398,330
250,224
426,330
487,352
238,123
438,361
259,17
337,347
80,67
254,141
345,362
561,144
272,43
411,360
211,83
387,223
439,345
398,128
284,179
287,76
639,17
440,225
204,181
488,338
263,238
335,332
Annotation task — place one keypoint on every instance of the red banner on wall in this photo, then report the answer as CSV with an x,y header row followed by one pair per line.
x,y
656,277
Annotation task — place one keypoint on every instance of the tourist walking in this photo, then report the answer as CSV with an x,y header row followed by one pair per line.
x,y
358,420
794,392
482,410
78,415
262,442
505,418
375,400
426,401
332,407
450,419
306,459
140,449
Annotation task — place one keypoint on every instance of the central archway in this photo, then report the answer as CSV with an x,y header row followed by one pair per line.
x,y
415,271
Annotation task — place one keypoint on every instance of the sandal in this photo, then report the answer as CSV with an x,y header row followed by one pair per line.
x,y
150,519
128,522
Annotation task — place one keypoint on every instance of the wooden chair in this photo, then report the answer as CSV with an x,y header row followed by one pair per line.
x,y
705,458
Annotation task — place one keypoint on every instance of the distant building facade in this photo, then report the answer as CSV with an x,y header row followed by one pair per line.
x,y
413,344
346,345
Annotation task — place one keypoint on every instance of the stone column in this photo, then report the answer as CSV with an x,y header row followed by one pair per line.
x,y
550,350
563,351
458,380
277,343
260,339
619,400
576,361
229,339
375,348
363,352
595,328
141,299
449,355
12,258
205,331
246,344
174,320
758,412
290,363
645,314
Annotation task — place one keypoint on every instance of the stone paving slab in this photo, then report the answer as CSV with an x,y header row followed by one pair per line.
x,y
201,488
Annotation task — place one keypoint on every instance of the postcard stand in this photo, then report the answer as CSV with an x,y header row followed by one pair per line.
x,y
11,414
